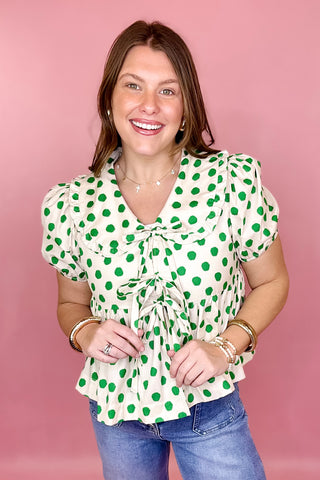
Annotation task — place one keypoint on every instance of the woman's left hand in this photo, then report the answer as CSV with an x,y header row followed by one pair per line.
x,y
196,362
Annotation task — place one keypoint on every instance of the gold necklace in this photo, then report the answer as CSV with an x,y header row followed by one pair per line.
x,y
155,182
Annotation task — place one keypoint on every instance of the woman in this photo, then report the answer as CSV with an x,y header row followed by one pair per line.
x,y
150,250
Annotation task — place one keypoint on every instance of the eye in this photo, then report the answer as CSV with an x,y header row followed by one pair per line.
x,y
133,86
167,91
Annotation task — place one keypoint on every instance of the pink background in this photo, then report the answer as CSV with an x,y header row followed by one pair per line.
x,y
258,64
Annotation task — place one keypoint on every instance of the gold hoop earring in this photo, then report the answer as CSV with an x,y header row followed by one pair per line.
x,y
181,129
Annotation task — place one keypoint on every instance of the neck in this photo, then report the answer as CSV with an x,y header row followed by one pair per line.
x,y
145,169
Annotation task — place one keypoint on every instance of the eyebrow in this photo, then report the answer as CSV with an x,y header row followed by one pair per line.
x,y
136,77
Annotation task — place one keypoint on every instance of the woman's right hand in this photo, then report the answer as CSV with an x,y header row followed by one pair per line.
x,y
93,338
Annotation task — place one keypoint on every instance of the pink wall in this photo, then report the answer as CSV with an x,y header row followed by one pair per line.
x,y
259,67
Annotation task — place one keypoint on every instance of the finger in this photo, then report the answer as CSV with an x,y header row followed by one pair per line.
x,y
177,360
122,344
184,371
113,327
201,379
192,375
115,353
98,355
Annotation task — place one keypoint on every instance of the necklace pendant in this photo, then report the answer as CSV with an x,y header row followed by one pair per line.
x,y
138,188
172,172
158,183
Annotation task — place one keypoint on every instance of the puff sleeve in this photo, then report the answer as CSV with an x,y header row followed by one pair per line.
x,y
253,209
59,246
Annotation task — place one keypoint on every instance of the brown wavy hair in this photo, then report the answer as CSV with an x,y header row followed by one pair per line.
x,y
158,37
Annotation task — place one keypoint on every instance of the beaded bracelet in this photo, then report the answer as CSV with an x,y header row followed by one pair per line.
x,y
227,348
248,329
76,329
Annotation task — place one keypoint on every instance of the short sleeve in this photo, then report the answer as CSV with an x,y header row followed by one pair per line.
x,y
253,209
59,247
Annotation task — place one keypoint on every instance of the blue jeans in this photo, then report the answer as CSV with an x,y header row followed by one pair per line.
x,y
214,443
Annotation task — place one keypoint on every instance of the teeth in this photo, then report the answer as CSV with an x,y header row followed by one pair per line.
x,y
146,126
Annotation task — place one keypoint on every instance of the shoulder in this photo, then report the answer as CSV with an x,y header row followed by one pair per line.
x,y
57,201
243,166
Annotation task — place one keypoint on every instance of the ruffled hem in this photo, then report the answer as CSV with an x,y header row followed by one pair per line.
x,y
166,402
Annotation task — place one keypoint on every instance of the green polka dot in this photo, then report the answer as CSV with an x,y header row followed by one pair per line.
x,y
226,385
118,272
207,393
191,255
176,205
131,408
205,266
260,211
182,415
196,281
156,397
82,382
256,227
91,217
153,371
163,380
108,286
146,411
120,397
94,376
190,397
181,271
111,414
168,406
175,390
111,387
98,274
102,383
192,220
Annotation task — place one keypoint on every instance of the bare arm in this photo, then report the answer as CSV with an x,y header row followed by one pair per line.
x,y
267,275
74,305
269,283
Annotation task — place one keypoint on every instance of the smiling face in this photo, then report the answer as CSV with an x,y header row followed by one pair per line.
x,y
147,103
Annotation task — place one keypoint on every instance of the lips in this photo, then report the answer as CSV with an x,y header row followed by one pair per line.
x,y
146,127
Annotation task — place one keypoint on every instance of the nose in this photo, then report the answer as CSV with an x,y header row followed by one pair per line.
x,y
149,102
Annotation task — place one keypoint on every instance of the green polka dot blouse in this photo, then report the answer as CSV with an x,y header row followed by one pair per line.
x,y
178,279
